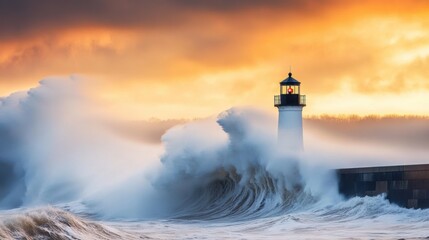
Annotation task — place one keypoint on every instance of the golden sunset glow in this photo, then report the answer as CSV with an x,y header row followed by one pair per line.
x,y
187,59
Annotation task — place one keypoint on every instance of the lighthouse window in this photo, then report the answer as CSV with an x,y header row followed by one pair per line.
x,y
295,89
289,89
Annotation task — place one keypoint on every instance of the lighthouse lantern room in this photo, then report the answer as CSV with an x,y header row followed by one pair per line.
x,y
290,103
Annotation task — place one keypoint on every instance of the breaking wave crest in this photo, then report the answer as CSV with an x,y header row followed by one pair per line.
x,y
53,223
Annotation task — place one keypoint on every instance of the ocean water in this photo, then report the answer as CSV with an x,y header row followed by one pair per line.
x,y
69,171
357,218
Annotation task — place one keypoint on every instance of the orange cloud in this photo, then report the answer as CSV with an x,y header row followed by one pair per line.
x,y
191,58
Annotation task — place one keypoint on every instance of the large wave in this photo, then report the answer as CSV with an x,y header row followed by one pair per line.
x,y
56,146
231,168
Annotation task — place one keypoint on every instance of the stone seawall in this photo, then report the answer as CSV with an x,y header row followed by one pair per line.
x,y
406,186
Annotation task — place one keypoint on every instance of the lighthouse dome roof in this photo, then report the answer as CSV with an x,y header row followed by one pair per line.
x,y
290,81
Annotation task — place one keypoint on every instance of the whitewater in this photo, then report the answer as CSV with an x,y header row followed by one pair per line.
x,y
69,170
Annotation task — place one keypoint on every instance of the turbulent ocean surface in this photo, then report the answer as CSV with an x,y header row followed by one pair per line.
x,y
69,171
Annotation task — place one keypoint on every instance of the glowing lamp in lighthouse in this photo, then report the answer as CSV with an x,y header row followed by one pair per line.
x,y
290,103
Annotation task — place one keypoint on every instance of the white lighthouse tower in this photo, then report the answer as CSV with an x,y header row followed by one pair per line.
x,y
290,103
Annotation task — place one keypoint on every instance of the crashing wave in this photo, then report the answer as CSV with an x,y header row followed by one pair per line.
x,y
227,199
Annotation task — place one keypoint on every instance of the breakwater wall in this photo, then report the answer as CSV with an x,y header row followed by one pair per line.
x,y
406,185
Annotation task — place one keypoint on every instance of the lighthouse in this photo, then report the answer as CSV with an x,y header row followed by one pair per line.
x,y
290,103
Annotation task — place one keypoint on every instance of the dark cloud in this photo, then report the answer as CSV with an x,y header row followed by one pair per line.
x,y
234,5
20,18
24,16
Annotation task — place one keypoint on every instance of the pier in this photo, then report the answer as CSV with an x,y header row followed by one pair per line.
x,y
405,185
